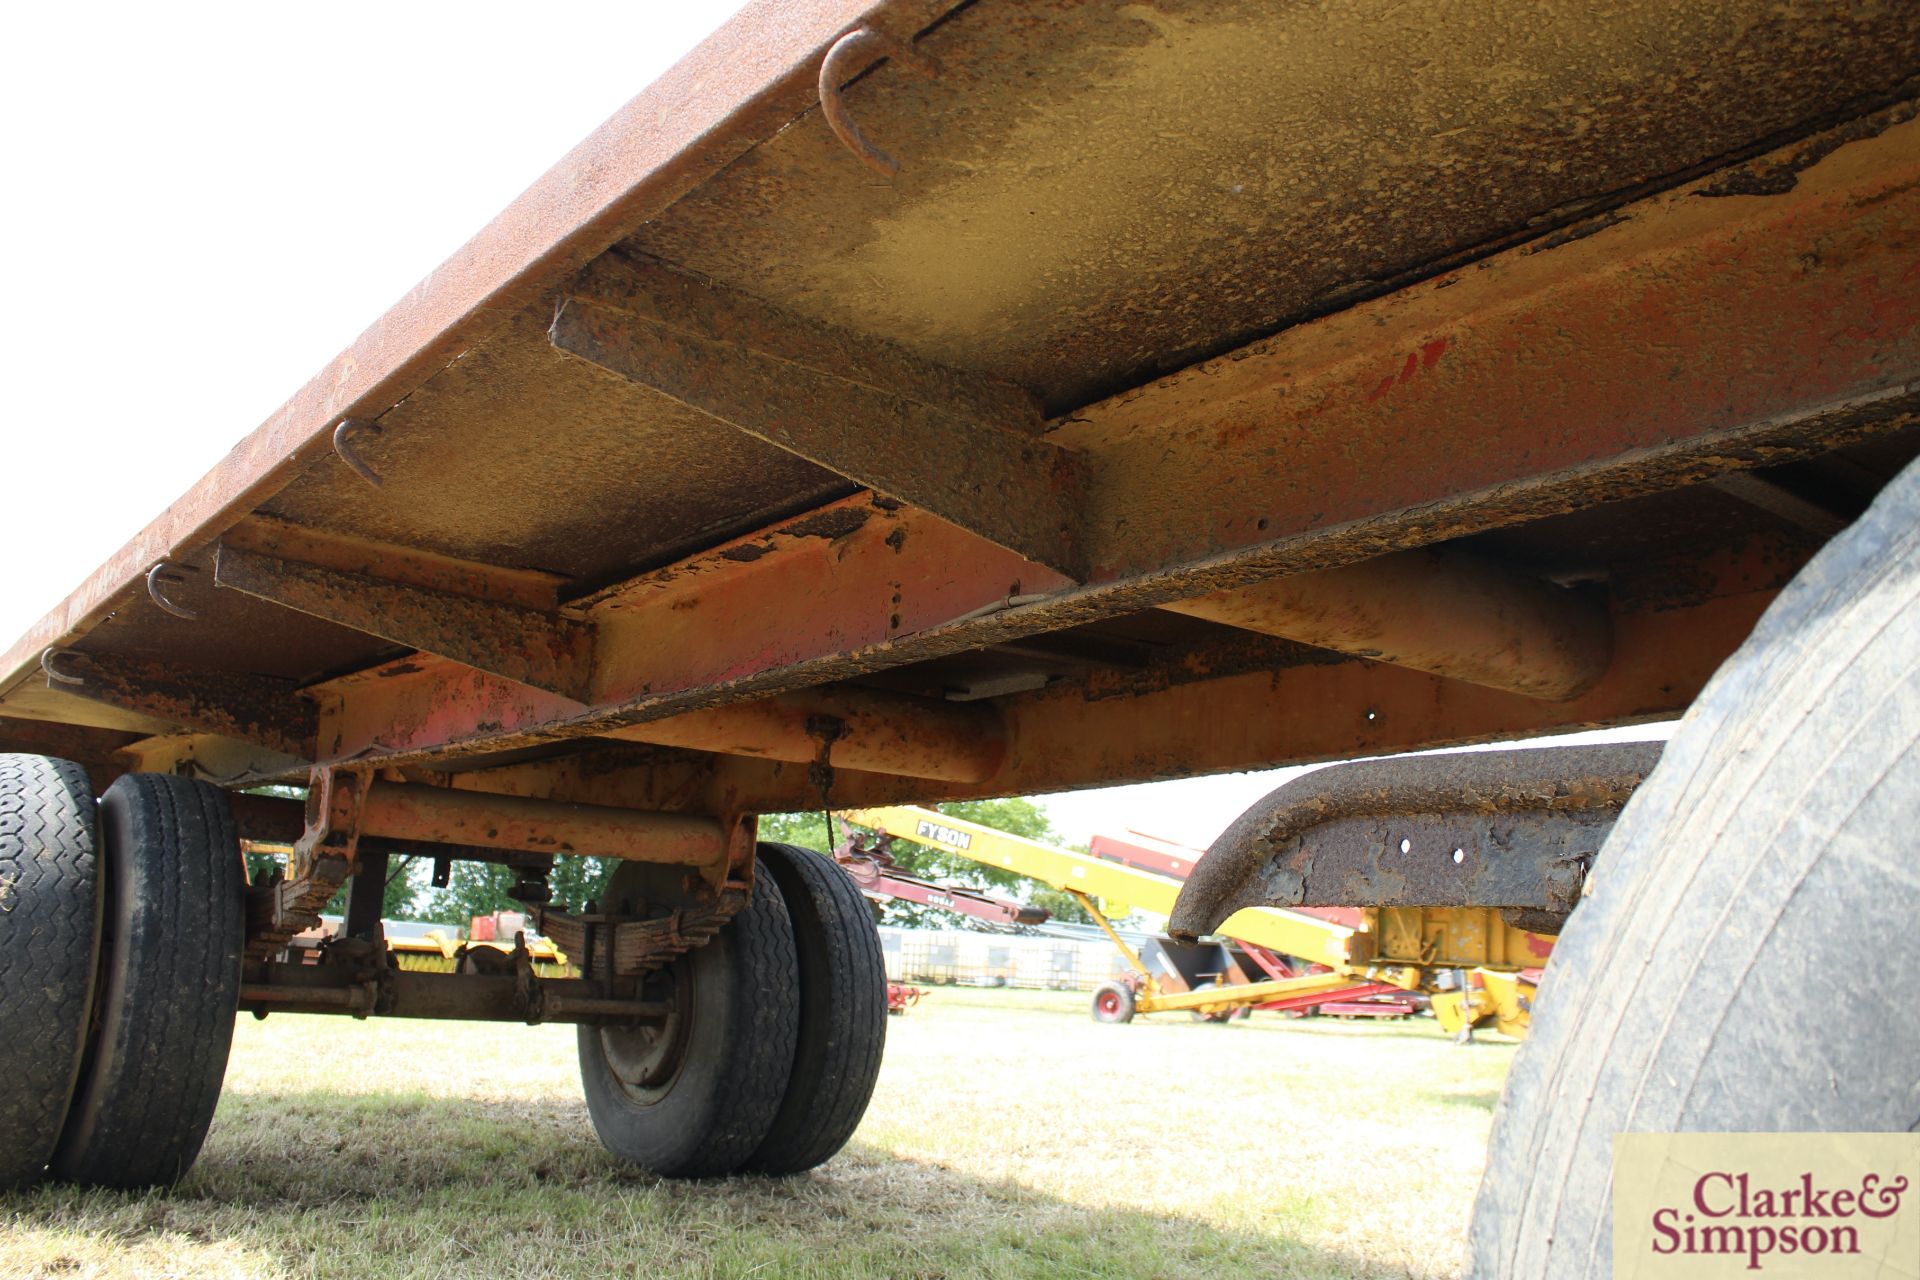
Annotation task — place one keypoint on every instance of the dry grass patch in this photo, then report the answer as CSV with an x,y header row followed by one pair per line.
x,y
1011,1137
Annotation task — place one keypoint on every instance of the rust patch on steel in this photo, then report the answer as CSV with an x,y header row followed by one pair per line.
x,y
1236,710
871,731
258,709
1439,610
405,566
448,816
832,524
525,645
1779,173
1010,488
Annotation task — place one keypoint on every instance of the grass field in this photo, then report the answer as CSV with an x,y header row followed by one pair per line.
x,y
1011,1137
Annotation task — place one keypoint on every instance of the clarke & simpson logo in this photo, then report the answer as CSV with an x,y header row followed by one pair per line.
x,y
1727,1216
1779,1205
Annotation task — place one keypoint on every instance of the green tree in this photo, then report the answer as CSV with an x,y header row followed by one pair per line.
x,y
1015,815
480,888
473,889
578,881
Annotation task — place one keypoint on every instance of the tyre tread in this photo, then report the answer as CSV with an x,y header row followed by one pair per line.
x,y
48,925
165,1029
713,1128
1741,883
843,1012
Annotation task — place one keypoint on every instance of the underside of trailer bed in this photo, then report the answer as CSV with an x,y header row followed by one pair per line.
x,y
722,455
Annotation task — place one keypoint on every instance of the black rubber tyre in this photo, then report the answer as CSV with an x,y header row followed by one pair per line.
x,y
173,890
697,1097
843,1012
1731,909
1113,1002
49,921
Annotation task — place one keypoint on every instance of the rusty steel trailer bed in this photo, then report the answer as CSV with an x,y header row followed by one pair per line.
x,y
915,401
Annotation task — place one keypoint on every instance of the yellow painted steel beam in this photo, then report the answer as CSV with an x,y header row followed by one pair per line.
x,y
1119,888
1134,962
1243,993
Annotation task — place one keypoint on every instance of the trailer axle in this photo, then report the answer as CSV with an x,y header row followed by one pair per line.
x,y
463,997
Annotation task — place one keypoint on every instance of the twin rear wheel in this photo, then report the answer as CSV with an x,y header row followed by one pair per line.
x,y
769,1053
121,932
120,938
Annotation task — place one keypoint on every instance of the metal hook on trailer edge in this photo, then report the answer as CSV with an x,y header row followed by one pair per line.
x,y
847,53
160,573
48,657
343,445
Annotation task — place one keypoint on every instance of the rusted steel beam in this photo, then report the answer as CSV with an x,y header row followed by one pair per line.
x,y
323,856
203,755
876,573
1217,712
1441,611
991,479
1311,713
441,815
524,645
267,819
403,566
656,294
845,728
1509,829
259,709
1685,335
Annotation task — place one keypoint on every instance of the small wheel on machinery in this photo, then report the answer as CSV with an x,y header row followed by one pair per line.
x,y
1113,1002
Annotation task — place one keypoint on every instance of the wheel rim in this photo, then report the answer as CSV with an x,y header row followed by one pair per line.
x,y
645,1057
1109,1002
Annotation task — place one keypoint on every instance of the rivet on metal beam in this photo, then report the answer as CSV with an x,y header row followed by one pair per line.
x,y
343,445
47,658
851,51
160,573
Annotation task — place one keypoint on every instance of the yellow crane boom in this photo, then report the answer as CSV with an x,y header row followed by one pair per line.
x,y
1118,888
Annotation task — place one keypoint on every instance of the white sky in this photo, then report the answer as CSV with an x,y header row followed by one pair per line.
x,y
210,201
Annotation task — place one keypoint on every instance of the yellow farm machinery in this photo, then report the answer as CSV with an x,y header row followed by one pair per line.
x,y
1475,964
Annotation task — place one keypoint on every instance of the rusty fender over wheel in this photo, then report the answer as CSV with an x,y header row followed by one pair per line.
x,y
1509,829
